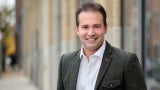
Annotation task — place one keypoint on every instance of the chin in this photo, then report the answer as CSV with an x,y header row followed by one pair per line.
x,y
93,48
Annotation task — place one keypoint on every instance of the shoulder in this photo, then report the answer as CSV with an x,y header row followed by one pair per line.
x,y
118,51
70,56
122,54
67,60
124,58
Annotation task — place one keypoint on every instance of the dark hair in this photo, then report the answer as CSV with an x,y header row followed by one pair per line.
x,y
91,6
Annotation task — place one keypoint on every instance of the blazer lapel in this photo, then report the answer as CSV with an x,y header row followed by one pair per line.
x,y
104,65
74,72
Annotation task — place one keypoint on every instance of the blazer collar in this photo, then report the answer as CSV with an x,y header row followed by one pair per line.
x,y
106,60
74,70
103,68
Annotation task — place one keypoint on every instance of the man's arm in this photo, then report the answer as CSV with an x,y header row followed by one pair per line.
x,y
60,85
133,75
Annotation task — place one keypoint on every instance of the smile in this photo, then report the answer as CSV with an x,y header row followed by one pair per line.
x,y
91,39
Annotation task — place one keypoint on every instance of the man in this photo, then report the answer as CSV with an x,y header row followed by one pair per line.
x,y
98,65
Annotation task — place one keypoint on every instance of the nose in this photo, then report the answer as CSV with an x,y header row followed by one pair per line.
x,y
91,32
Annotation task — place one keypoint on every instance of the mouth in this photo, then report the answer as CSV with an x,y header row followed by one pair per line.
x,y
91,40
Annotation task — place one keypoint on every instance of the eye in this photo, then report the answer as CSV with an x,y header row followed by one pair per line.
x,y
97,26
84,27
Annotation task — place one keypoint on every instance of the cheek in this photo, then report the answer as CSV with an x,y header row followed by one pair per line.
x,y
100,33
81,34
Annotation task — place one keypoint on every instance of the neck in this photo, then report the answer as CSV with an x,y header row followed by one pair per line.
x,y
88,53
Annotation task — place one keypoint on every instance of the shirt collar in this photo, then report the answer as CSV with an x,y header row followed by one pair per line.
x,y
99,52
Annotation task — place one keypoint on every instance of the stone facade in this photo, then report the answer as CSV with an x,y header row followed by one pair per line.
x,y
48,32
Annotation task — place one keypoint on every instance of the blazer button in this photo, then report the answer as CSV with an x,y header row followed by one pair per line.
x,y
111,85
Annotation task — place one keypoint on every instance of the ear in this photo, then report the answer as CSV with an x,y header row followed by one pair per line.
x,y
106,28
76,30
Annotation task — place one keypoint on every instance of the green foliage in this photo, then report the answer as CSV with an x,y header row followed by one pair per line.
x,y
5,19
8,42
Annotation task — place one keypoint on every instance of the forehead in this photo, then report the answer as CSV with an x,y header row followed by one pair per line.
x,y
90,16
90,13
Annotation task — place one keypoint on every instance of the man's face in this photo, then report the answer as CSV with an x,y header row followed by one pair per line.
x,y
91,30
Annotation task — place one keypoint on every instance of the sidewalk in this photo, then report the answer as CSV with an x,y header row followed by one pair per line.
x,y
152,84
15,81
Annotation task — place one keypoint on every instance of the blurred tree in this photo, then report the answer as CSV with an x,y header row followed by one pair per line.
x,y
5,19
8,40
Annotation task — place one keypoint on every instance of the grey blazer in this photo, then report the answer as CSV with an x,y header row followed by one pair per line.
x,y
119,71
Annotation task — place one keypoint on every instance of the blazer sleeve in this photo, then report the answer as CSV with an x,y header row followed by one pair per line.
x,y
133,75
60,85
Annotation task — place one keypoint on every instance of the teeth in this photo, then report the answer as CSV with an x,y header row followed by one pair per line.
x,y
91,39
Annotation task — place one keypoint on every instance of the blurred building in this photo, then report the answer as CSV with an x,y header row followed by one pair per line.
x,y
45,31
153,43
153,27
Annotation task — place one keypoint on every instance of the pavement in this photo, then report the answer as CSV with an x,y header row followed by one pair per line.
x,y
152,84
15,81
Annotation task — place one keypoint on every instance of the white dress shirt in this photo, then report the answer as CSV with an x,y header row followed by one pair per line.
x,y
89,69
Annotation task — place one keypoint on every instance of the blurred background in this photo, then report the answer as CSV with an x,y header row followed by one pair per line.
x,y
35,33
